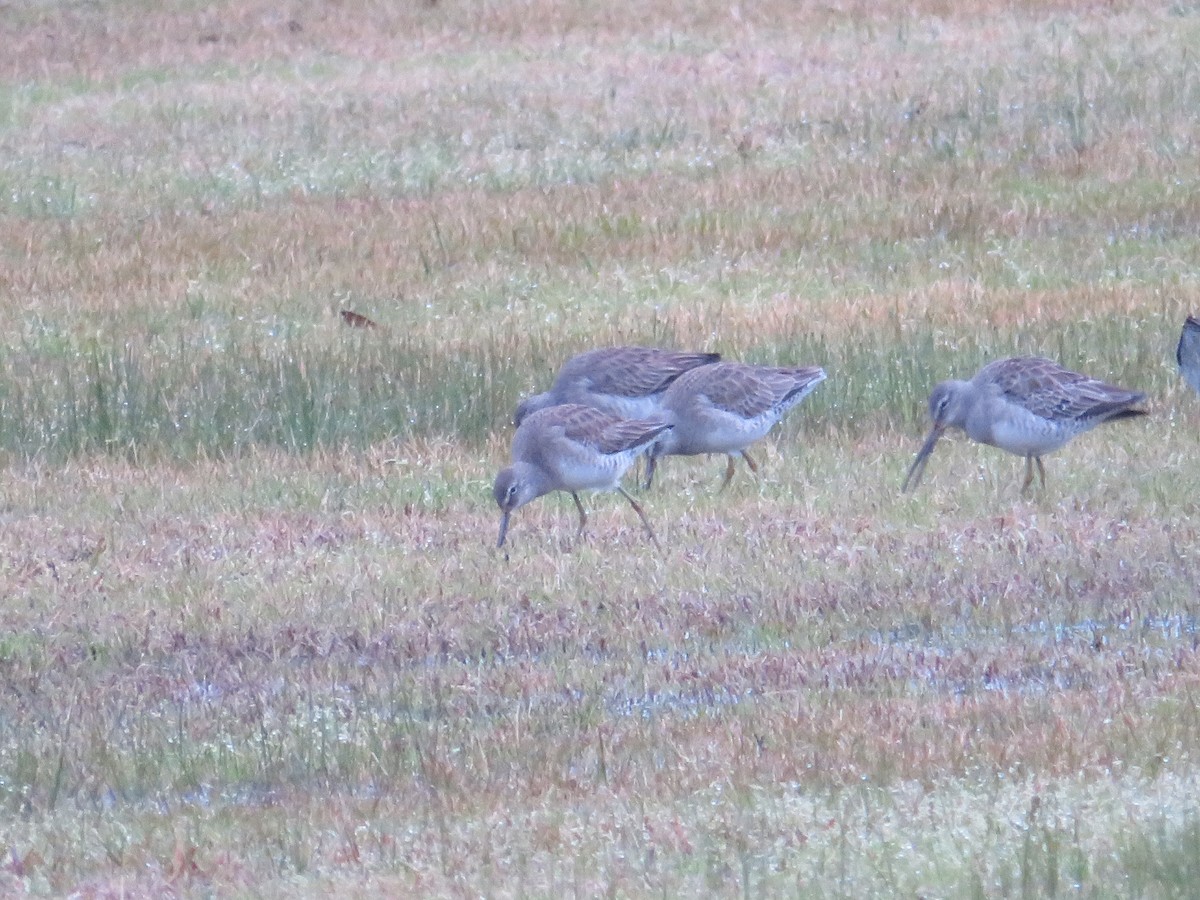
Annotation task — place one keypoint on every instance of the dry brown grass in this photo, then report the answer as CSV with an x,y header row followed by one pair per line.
x,y
230,669
501,719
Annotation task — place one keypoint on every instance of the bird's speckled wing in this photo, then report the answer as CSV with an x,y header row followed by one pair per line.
x,y
631,371
1048,390
749,391
604,431
797,383
1188,352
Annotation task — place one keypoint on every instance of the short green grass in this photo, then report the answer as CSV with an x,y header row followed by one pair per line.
x,y
257,640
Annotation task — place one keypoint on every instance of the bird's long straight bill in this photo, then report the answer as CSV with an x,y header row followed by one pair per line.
x,y
918,467
503,529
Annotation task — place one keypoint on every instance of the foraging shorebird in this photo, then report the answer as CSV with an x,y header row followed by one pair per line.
x,y
726,407
1188,352
572,448
1026,405
625,381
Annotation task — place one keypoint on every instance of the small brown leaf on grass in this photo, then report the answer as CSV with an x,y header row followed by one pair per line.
x,y
23,866
183,861
357,320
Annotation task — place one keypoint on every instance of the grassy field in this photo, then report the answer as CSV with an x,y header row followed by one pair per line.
x,y
256,639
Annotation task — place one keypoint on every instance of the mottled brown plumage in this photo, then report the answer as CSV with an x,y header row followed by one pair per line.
x,y
626,381
726,407
1026,405
1187,353
570,448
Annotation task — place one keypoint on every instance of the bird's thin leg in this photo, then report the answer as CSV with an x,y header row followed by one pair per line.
x,y
750,462
1028,474
1041,471
729,470
650,466
582,514
641,514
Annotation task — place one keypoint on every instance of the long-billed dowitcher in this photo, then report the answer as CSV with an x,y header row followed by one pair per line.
x,y
1188,352
626,381
1026,405
726,407
572,448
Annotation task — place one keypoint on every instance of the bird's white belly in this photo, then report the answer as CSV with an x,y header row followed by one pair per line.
x,y
721,432
578,474
1024,434
626,407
